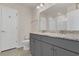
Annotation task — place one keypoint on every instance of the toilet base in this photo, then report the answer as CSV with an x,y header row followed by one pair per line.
x,y
26,45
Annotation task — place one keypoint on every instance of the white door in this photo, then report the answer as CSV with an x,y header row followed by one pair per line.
x,y
0,28
8,29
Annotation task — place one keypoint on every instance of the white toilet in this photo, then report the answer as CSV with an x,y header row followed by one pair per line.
x,y
26,44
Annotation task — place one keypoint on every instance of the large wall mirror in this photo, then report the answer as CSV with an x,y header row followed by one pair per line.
x,y
60,17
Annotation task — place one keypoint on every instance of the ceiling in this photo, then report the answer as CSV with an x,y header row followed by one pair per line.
x,y
59,7
30,5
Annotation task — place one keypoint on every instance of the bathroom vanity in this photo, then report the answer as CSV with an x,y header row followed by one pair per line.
x,y
51,44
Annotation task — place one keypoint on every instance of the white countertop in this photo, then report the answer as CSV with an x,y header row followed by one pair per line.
x,y
67,36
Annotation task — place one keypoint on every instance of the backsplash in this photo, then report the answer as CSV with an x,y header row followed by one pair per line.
x,y
69,32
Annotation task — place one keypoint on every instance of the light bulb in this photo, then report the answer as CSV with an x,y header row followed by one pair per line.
x,y
41,5
38,7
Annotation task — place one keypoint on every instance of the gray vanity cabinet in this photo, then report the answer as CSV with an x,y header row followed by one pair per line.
x,y
43,49
47,49
35,47
50,46
38,48
62,52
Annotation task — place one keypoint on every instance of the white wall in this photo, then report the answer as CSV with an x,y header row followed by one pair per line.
x,y
24,21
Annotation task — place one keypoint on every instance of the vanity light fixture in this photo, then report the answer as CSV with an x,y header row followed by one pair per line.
x,y
40,5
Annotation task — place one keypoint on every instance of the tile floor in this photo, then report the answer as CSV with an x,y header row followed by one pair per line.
x,y
16,52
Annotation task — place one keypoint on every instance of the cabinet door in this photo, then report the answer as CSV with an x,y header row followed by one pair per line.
x,y
62,52
47,50
38,51
35,47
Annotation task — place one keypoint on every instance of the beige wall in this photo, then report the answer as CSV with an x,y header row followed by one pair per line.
x,y
24,22
34,22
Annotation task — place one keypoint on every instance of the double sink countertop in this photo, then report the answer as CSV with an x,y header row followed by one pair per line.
x,y
59,35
